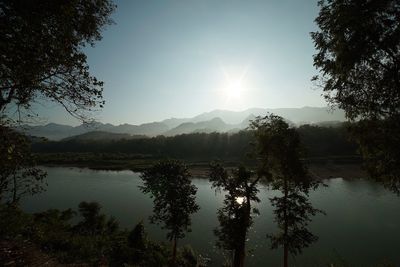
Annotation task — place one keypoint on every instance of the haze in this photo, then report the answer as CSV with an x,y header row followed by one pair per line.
x,y
182,58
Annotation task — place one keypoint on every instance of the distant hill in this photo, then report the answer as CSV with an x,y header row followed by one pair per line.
x,y
149,129
214,121
99,135
51,131
174,122
213,125
295,115
56,132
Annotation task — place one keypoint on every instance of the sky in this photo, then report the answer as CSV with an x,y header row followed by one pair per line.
x,y
164,59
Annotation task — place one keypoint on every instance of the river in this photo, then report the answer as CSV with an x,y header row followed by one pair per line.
x,y
361,228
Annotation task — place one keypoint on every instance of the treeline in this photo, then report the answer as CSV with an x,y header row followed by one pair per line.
x,y
317,141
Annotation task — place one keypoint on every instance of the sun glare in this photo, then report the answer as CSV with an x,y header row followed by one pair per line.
x,y
234,84
240,200
234,89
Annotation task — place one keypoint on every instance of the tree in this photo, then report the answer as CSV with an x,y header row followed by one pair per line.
x,y
137,238
94,223
168,183
293,212
358,58
18,174
279,151
41,52
378,142
41,56
235,217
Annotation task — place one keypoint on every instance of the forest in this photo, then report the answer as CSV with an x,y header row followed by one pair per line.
x,y
317,142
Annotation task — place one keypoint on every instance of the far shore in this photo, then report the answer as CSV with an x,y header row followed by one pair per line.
x,y
334,167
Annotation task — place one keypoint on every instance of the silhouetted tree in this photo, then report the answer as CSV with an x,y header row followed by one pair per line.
x,y
41,56
278,148
358,58
378,142
292,212
138,242
137,237
41,52
169,184
235,217
18,175
95,223
358,55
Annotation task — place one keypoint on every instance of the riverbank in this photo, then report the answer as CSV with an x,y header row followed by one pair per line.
x,y
322,168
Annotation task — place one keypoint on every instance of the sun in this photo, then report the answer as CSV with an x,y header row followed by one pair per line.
x,y
234,84
234,89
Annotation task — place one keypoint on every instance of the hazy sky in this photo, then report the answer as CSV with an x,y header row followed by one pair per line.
x,y
180,58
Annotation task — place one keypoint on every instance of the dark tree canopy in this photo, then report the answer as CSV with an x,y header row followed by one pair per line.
x,y
174,197
18,174
379,144
41,52
358,56
95,223
235,217
279,149
319,142
137,238
293,212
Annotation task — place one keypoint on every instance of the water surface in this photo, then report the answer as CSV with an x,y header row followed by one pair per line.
x,y
362,225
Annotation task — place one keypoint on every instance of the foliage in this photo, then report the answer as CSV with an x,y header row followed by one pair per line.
x,y
235,217
293,212
378,141
54,232
137,237
168,183
187,257
42,52
93,222
358,45
279,149
18,174
13,222
319,141
88,240
358,55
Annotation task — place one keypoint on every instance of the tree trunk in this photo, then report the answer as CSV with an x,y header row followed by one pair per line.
x,y
174,251
239,256
14,200
285,245
285,256
240,252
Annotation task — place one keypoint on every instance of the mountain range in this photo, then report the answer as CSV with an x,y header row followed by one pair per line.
x,y
214,121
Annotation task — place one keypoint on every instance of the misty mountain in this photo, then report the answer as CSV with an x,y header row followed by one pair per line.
x,y
295,115
214,121
213,125
229,116
174,122
53,131
99,135
149,129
